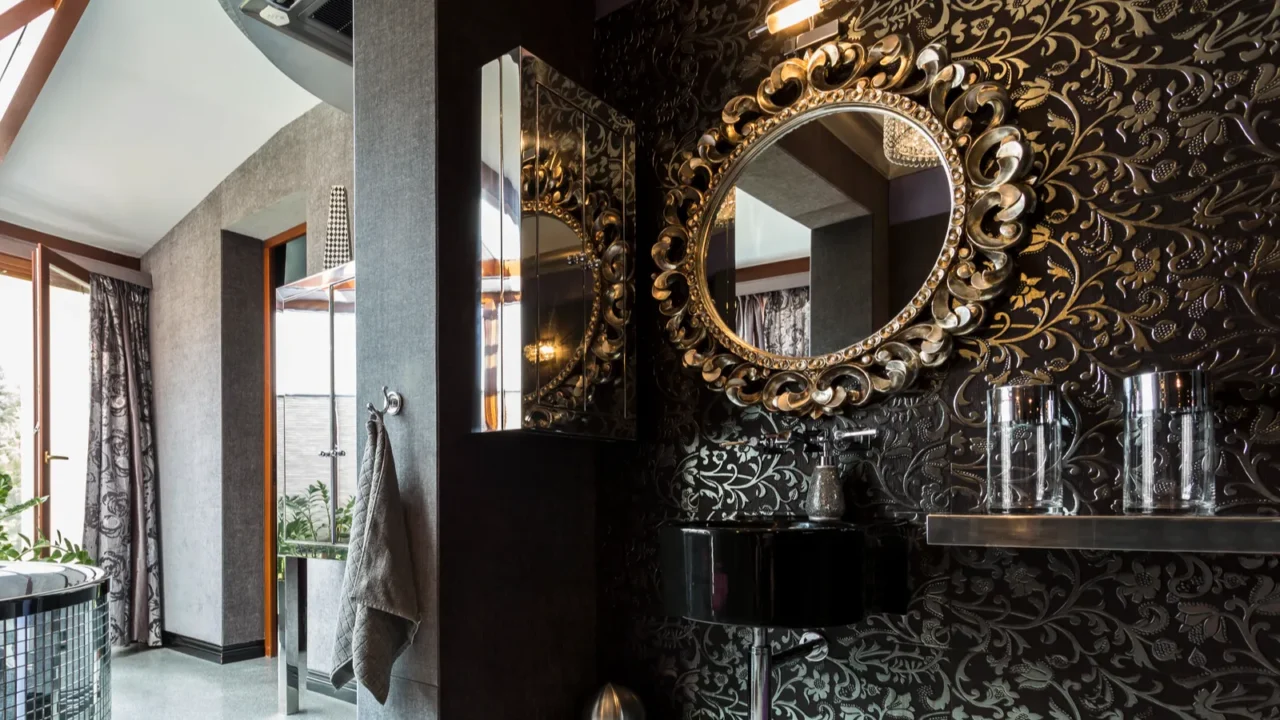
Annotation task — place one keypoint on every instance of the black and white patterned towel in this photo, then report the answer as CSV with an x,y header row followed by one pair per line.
x,y
337,239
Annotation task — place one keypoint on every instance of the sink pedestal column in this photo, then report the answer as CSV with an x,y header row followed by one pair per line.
x,y
761,675
812,647
292,663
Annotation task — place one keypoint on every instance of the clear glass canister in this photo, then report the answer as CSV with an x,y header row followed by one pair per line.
x,y
1024,450
1170,455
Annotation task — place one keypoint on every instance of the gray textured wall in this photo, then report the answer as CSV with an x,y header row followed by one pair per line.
x,y
502,526
186,332
207,353
396,145
308,155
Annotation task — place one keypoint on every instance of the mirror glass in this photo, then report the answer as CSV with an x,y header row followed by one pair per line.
x,y
556,248
828,232
559,315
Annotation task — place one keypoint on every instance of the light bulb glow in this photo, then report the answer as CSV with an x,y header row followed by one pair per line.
x,y
796,12
544,351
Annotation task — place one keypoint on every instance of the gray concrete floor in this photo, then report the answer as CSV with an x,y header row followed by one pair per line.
x,y
162,684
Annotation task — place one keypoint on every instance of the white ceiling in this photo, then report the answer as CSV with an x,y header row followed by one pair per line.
x,y
150,107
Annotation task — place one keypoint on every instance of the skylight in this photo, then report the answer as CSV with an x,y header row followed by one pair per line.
x,y
16,51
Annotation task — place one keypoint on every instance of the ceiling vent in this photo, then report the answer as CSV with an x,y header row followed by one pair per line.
x,y
326,25
335,14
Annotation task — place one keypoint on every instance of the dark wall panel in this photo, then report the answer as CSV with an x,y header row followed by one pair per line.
x,y
242,423
1155,247
517,511
842,284
913,250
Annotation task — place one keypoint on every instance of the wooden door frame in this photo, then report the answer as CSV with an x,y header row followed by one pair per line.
x,y
16,266
269,433
41,260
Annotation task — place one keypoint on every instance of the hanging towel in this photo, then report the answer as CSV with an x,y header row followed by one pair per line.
x,y
378,615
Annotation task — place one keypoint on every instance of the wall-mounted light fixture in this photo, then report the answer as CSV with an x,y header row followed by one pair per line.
x,y
793,14
788,16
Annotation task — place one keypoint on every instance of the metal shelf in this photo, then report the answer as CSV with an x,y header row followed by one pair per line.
x,y
1248,535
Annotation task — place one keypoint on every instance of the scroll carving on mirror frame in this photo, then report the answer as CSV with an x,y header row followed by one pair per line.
x,y
986,160
606,256
555,346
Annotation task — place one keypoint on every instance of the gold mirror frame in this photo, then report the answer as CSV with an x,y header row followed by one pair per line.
x,y
606,255
986,158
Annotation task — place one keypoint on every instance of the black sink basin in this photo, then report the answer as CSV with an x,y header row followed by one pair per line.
x,y
775,572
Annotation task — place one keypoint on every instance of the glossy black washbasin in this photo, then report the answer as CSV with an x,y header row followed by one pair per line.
x,y
773,572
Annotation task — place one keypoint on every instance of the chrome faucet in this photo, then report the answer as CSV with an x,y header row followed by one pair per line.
x,y
824,503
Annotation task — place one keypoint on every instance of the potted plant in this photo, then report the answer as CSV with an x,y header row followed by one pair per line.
x,y
15,546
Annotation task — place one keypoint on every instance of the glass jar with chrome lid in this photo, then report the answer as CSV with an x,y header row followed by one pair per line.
x,y
1024,450
1170,453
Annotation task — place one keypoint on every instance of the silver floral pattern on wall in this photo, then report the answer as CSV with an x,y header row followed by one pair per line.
x,y
1153,125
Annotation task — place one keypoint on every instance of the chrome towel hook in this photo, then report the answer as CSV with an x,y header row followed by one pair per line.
x,y
392,401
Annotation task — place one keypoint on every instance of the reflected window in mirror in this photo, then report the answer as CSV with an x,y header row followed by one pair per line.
x,y
827,232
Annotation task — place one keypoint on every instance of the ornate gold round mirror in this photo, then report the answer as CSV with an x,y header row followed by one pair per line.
x,y
830,237
826,232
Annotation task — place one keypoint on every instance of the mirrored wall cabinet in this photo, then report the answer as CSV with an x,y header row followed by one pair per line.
x,y
316,420
556,255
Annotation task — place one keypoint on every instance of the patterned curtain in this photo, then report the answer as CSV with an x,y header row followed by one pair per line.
x,y
122,530
751,309
782,326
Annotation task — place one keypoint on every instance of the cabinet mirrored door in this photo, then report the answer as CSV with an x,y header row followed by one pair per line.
x,y
556,254
316,423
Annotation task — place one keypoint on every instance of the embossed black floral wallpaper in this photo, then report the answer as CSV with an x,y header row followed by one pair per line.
x,y
1155,128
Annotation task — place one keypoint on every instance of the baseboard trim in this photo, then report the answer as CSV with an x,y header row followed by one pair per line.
x,y
318,682
220,654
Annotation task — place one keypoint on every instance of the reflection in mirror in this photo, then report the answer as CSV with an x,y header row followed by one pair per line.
x,y
828,232
555,256
561,319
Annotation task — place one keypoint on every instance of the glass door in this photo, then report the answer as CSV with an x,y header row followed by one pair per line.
x,y
347,417
304,415
61,297
17,393
316,421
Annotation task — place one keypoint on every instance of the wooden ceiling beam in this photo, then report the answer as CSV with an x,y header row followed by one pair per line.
x,y
65,18
17,17
70,247
772,270
16,267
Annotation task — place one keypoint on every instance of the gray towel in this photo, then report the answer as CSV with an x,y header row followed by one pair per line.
x,y
379,612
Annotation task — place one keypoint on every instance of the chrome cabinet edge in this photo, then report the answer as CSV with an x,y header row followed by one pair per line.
x,y
1246,535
